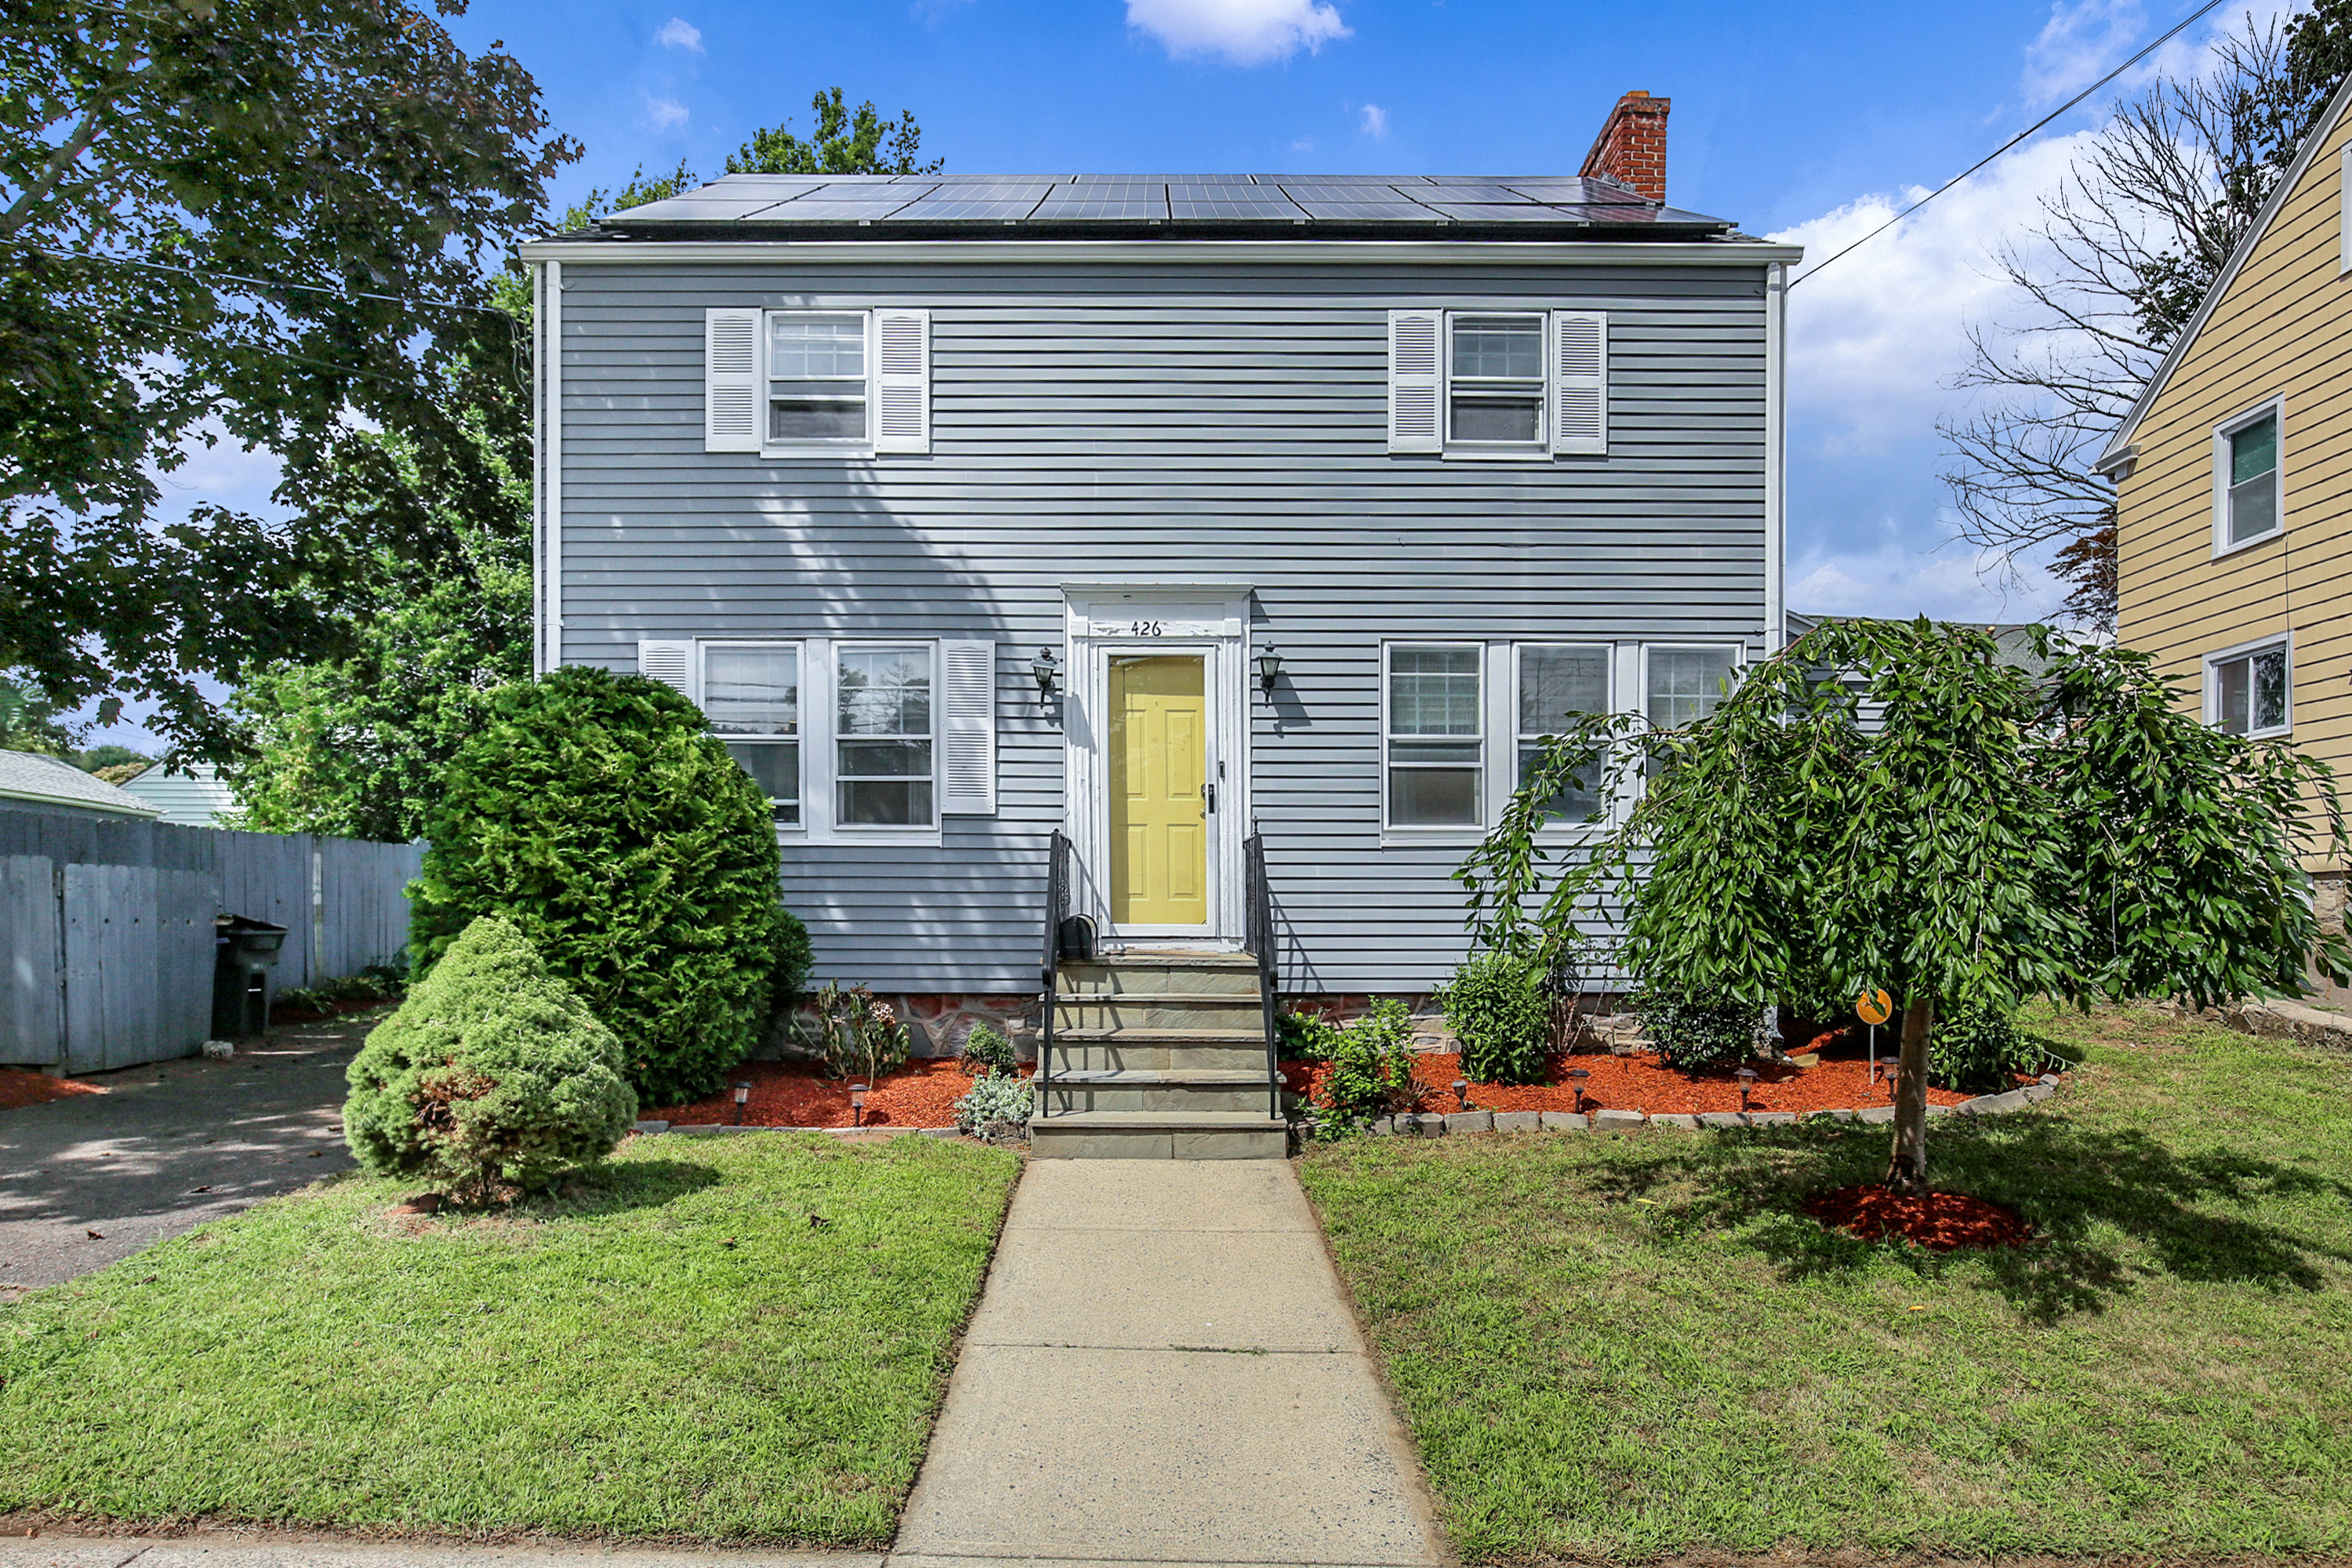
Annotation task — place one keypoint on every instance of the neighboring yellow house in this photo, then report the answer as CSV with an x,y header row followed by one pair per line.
x,y
2233,474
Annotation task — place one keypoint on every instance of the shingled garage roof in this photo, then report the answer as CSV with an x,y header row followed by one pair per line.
x,y
1254,207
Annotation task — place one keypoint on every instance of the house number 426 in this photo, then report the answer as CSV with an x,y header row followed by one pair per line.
x,y
1147,628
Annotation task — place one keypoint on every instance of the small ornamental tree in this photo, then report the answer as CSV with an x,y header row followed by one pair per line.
x,y
1992,836
492,1070
594,812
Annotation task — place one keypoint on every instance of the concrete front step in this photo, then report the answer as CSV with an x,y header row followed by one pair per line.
x,y
1072,1093
1226,973
1159,1135
1159,1010
1157,1050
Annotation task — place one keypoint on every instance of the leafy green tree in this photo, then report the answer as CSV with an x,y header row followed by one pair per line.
x,y
254,221
1992,836
29,720
845,142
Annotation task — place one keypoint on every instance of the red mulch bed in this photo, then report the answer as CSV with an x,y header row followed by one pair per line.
x,y
788,1094
1641,1082
1943,1222
18,1087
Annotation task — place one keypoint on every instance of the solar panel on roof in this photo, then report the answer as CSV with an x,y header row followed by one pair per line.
x,y
1497,212
952,208
812,211
1080,201
1479,195
880,192
1370,212
1243,203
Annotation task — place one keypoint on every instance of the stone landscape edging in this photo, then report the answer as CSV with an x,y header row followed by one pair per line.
x,y
1426,1124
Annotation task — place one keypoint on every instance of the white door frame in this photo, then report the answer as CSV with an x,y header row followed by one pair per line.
x,y
1144,618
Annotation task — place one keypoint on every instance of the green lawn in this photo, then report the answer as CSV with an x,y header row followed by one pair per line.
x,y
670,1350
1620,1346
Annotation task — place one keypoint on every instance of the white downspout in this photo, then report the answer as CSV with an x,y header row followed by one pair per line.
x,y
1776,456
552,318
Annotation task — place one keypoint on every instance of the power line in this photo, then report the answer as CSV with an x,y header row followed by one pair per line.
x,y
2158,43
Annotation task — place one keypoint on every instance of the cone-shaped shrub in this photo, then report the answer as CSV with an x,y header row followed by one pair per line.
x,y
596,814
493,1070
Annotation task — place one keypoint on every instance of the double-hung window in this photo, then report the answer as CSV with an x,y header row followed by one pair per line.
x,y
884,759
1557,685
817,378
1687,684
1495,386
2246,690
752,697
2246,480
1435,736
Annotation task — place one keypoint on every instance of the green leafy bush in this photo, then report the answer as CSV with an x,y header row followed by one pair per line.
x,y
1370,1073
1690,1032
794,958
493,1071
595,813
1305,1036
992,1100
1977,1050
857,1034
987,1053
1496,1008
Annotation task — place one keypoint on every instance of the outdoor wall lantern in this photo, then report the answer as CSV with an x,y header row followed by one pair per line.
x,y
1269,668
858,1105
1462,1092
1576,1077
1047,667
1747,1077
743,1094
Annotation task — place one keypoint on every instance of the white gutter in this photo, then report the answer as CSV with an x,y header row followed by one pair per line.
x,y
1776,455
1247,252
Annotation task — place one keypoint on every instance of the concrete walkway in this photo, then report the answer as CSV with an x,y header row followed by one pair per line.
x,y
1163,1370
166,1148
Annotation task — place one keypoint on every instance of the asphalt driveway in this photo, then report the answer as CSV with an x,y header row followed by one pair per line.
x,y
94,1178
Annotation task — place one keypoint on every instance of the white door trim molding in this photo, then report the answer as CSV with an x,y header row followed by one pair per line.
x,y
1139,618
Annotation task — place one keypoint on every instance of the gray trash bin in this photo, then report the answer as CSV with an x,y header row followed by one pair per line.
x,y
244,953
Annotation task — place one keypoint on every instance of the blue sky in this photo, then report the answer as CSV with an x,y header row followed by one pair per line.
x,y
1798,121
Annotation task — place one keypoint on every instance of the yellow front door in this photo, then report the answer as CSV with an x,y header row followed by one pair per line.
x,y
1159,810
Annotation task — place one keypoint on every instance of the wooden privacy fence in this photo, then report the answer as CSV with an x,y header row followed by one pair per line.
x,y
106,927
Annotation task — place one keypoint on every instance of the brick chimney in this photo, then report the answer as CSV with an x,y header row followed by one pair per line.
x,y
1631,147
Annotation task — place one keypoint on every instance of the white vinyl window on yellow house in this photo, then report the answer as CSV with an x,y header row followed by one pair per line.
x,y
1434,739
1559,683
2247,689
752,697
2246,478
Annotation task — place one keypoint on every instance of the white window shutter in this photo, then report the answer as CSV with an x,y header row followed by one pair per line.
x,y
671,663
1579,383
902,381
969,684
731,380
1414,381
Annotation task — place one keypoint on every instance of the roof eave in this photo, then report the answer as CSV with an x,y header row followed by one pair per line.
x,y
1728,247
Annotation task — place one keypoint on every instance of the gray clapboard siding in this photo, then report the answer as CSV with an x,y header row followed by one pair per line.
x,y
1131,420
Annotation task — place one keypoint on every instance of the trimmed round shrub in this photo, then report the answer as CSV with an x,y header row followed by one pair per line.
x,y
1496,1008
493,1070
1689,1032
596,814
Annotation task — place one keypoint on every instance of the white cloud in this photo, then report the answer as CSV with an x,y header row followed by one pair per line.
x,y
1247,32
678,33
1901,579
2078,45
1376,122
666,113
1874,339
1305,144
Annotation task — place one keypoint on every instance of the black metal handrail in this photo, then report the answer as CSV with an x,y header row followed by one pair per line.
x,y
1258,916
1058,897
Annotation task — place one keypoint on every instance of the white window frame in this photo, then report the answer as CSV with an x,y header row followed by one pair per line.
x,y
1538,451
1737,650
833,447
1611,806
1421,833
833,778
2223,434
2285,642
702,647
